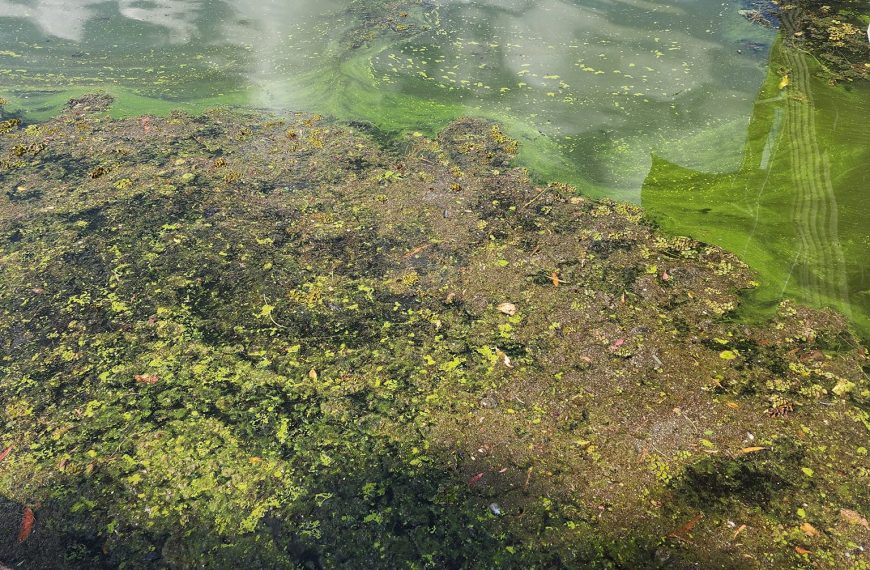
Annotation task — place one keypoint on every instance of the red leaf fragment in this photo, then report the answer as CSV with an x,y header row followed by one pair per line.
x,y
617,343
27,520
686,528
475,478
5,453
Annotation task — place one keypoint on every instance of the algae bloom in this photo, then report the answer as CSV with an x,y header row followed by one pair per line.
x,y
246,340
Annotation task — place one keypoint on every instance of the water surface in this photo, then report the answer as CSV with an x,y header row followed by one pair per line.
x,y
599,93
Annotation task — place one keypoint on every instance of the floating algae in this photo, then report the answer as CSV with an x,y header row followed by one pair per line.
x,y
263,341
793,209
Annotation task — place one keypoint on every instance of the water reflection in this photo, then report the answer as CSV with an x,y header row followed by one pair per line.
x,y
179,17
67,19
606,82
63,19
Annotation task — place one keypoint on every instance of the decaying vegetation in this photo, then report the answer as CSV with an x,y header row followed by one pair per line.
x,y
834,32
236,340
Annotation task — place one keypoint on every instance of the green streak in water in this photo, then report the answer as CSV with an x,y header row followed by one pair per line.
x,y
794,211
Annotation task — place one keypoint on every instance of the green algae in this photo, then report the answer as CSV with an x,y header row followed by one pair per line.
x,y
237,339
792,210
525,65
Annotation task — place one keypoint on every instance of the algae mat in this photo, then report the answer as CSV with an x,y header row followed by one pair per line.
x,y
235,340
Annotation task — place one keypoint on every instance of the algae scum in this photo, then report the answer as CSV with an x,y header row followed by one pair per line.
x,y
261,339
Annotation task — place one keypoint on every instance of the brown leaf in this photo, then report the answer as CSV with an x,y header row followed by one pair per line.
x,y
475,478
686,528
801,550
740,529
854,518
554,277
809,529
146,378
27,520
813,356
5,453
507,308
416,250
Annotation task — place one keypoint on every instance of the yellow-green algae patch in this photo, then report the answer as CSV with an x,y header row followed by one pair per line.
x,y
236,340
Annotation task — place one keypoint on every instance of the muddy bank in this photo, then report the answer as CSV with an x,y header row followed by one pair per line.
x,y
265,341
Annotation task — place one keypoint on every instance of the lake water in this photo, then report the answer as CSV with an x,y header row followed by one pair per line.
x,y
675,105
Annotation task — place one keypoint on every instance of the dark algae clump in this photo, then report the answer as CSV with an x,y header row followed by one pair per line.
x,y
246,341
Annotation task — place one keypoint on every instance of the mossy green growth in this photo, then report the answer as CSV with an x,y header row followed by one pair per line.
x,y
291,360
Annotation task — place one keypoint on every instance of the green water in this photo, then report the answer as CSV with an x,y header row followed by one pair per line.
x,y
635,100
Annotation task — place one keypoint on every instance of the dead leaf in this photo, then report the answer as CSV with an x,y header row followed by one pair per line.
x,y
854,518
27,520
686,528
416,250
312,374
813,356
752,449
475,478
809,529
504,357
508,309
554,277
146,378
5,453
801,550
740,529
